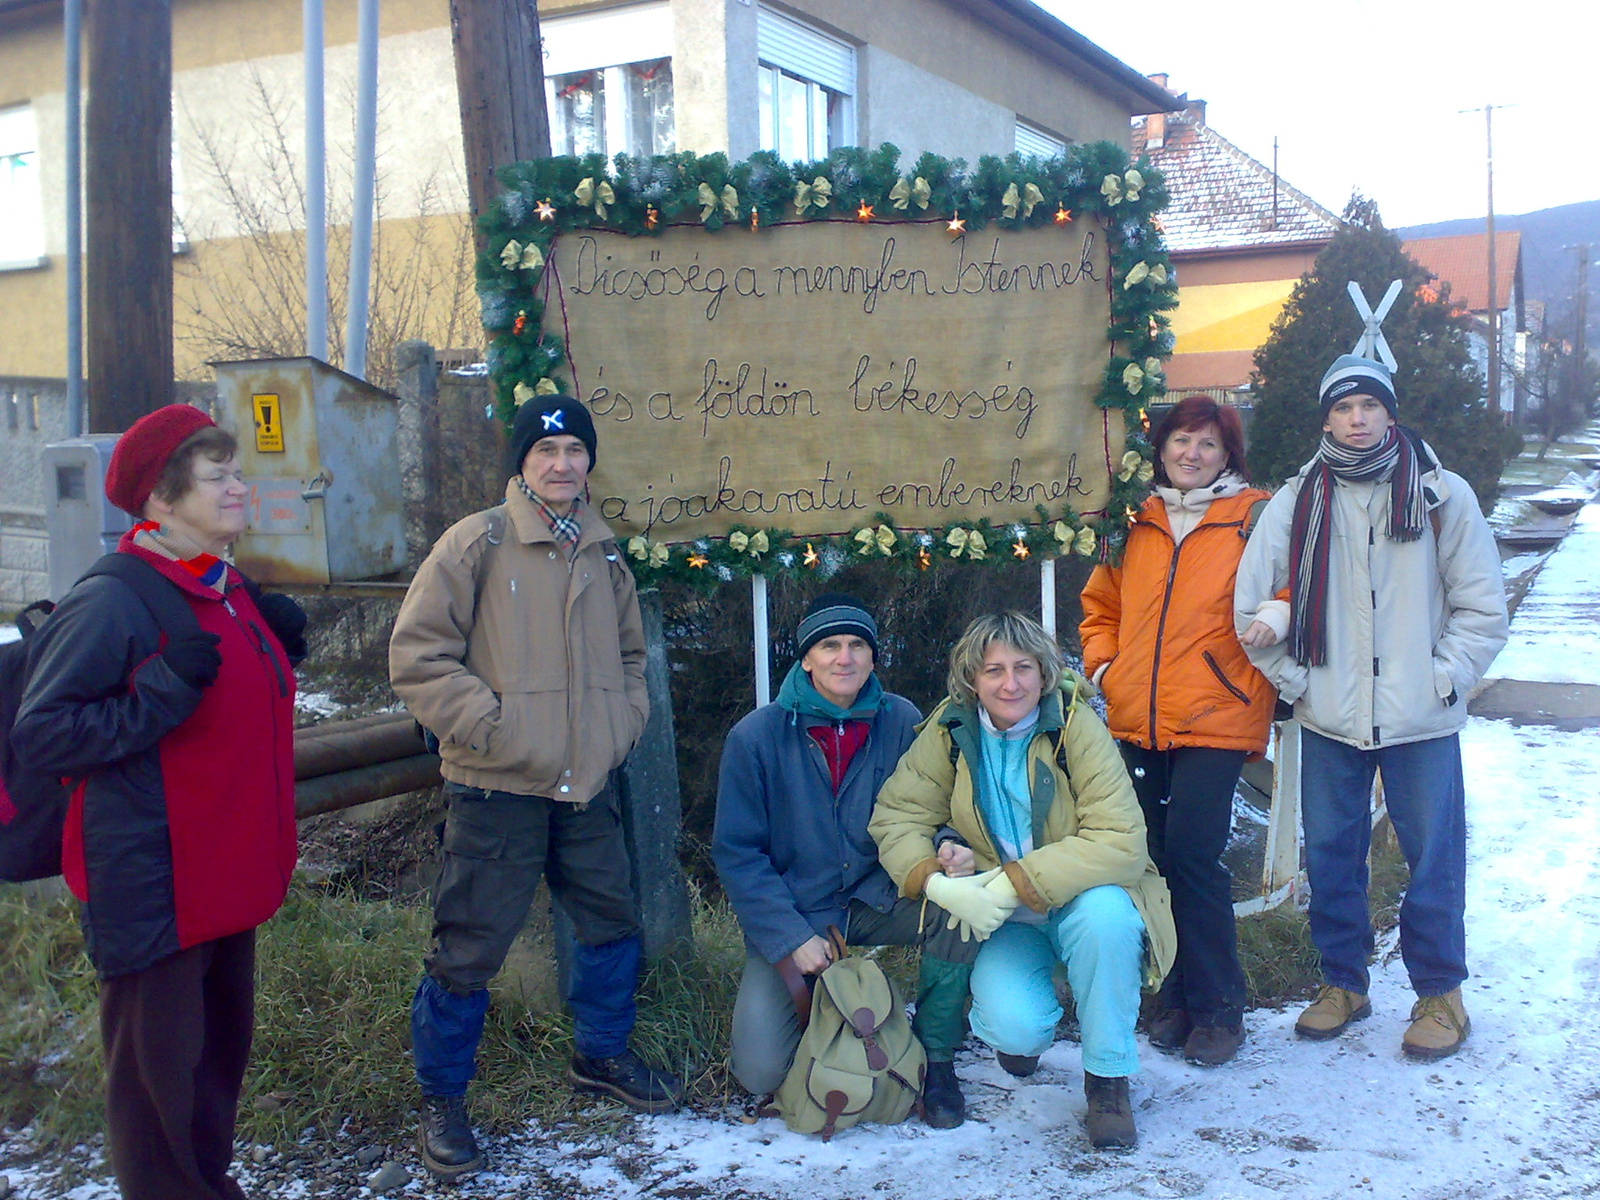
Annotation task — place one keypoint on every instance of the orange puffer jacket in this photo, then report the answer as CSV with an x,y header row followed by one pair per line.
x,y
1164,621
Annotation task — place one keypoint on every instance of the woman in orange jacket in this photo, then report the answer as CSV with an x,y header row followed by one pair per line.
x,y
1185,705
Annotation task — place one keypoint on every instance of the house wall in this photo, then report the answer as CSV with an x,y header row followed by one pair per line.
x,y
931,76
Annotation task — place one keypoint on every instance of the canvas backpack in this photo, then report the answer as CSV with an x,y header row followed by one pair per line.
x,y
33,804
858,1059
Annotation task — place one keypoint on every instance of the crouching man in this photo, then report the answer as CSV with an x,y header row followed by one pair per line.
x,y
520,646
798,783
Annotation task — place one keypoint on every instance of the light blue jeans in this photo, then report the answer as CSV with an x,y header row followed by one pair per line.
x,y
1100,938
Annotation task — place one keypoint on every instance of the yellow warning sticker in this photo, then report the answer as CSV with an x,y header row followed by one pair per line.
x,y
269,423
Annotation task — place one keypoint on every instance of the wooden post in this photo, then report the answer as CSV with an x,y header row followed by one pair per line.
x,y
129,186
500,81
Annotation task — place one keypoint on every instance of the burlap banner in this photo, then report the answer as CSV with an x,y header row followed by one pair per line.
x,y
812,376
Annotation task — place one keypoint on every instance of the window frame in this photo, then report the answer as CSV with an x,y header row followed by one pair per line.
x,y
607,43
19,139
825,67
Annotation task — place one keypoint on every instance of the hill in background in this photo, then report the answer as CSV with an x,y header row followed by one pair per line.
x,y
1550,238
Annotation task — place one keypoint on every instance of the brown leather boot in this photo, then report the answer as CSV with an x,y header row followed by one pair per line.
x,y
1169,1029
1110,1115
1213,1045
1439,1024
1329,1014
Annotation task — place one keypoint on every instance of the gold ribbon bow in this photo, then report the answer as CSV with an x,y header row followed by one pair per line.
x,y
1084,542
916,192
545,387
1135,464
1155,272
881,539
1132,182
654,553
966,541
1026,200
729,200
1132,378
1111,189
521,394
517,256
754,544
588,192
816,194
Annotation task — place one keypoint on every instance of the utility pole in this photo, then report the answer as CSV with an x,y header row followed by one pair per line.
x,y
1580,342
500,81
129,185
1494,297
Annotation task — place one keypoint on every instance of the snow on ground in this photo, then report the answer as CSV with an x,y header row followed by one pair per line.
x,y
1556,636
1512,1117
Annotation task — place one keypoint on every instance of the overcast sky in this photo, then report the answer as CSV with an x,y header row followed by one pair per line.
x,y
1365,94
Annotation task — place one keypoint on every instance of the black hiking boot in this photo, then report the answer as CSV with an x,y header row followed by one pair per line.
x,y
1020,1065
1110,1115
943,1105
628,1078
445,1138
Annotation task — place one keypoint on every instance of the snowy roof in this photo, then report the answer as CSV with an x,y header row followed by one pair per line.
x,y
1462,261
1221,197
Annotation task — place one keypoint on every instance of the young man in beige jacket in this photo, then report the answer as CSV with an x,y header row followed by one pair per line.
x,y
520,647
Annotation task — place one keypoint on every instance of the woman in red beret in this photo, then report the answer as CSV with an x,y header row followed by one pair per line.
x,y
177,743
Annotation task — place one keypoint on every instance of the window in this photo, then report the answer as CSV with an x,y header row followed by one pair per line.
x,y
608,80
808,83
1034,141
21,206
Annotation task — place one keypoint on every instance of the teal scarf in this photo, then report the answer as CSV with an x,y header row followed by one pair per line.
x,y
801,697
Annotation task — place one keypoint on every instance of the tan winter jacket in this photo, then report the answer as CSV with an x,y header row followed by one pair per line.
x,y
1412,626
528,669
1093,830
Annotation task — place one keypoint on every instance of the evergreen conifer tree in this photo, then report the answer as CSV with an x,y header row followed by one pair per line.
x,y
1437,386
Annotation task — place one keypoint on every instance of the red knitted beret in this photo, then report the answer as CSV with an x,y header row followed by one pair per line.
x,y
143,451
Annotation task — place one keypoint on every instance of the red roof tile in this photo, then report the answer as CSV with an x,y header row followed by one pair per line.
x,y
1462,261
1221,197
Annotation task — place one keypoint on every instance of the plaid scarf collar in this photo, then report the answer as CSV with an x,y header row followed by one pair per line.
x,y
567,528
1399,457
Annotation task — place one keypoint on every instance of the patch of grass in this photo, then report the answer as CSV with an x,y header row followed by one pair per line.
x,y
335,978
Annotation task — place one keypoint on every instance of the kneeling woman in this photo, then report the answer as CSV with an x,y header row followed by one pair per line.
x,y
1017,762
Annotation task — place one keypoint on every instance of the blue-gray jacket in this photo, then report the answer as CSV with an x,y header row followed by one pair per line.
x,y
791,855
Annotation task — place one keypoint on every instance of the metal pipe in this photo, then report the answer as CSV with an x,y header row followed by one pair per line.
x,y
316,185
355,343
72,36
339,746
761,636
346,789
1047,595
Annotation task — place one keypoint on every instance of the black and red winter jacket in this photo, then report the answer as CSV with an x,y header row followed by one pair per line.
x,y
181,827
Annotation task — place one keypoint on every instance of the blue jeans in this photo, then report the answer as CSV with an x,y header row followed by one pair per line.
x,y
1100,937
1423,791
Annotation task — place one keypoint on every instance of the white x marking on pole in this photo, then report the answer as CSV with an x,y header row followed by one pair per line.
x,y
1372,343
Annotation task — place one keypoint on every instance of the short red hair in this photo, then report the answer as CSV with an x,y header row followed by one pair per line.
x,y
1196,412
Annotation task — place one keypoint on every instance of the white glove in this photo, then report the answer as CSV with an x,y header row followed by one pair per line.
x,y
974,909
1003,890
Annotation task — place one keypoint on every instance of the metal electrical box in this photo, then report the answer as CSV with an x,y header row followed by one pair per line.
x,y
319,451
80,522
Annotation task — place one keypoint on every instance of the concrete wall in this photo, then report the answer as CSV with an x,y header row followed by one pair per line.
x,y
33,413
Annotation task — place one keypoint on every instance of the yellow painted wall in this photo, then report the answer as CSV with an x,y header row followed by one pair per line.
x,y
1227,316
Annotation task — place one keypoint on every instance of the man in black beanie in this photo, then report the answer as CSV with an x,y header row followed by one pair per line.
x,y
520,646
798,781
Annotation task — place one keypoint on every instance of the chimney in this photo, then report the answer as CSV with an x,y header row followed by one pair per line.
x,y
1155,125
1197,110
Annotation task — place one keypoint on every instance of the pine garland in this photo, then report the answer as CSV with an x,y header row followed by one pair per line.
x,y
644,196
